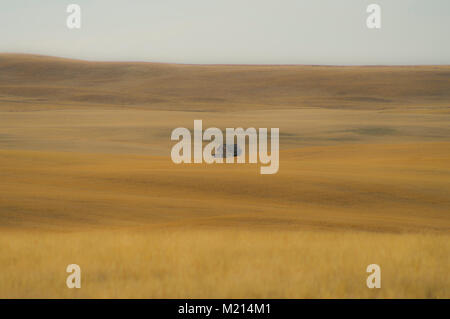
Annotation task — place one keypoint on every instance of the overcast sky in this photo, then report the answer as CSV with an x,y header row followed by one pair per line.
x,y
231,31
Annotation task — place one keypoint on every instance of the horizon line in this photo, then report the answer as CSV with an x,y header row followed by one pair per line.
x,y
214,64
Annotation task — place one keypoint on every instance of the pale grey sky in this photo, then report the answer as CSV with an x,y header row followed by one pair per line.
x,y
231,31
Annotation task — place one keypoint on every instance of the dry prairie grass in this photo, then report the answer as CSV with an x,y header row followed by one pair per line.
x,y
30,82
141,227
222,263
388,188
85,177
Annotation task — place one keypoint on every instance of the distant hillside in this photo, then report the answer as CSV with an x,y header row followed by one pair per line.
x,y
41,82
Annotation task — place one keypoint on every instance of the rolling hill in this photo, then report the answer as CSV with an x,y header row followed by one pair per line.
x,y
86,177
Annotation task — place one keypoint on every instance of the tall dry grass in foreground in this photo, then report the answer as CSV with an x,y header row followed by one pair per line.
x,y
195,263
140,227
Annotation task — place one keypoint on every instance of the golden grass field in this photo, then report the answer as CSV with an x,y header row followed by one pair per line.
x,y
86,178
